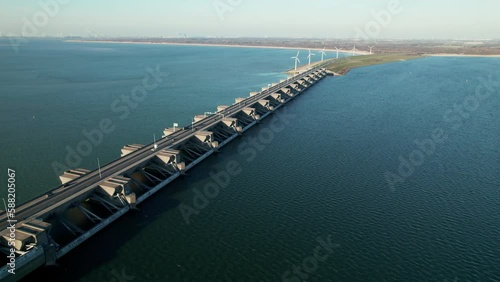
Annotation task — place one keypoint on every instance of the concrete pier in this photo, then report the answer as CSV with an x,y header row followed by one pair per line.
x,y
130,149
72,175
222,108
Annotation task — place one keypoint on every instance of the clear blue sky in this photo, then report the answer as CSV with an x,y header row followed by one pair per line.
x,y
284,18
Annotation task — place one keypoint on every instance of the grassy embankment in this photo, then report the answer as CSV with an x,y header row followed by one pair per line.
x,y
344,65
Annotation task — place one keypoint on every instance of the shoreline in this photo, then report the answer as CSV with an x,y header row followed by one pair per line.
x,y
219,45
462,55
343,66
274,47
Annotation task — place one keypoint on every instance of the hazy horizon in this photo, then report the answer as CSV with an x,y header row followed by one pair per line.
x,y
376,19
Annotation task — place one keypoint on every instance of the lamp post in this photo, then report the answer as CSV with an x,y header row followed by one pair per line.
x,y
99,167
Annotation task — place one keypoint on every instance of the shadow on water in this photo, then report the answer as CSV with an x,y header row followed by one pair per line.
x,y
103,246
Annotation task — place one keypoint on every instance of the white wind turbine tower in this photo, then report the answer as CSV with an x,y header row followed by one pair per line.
x,y
371,49
354,50
310,56
296,60
337,52
323,54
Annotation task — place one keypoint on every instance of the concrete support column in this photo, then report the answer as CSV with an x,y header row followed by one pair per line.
x,y
233,123
171,157
266,104
207,137
251,112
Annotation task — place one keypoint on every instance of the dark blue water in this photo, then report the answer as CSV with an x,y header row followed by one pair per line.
x,y
54,90
322,176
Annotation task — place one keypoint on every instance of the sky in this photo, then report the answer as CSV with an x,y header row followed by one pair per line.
x,y
378,19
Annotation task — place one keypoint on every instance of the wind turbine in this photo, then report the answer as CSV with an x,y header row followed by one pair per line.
x,y
337,52
371,49
310,56
296,60
354,50
323,54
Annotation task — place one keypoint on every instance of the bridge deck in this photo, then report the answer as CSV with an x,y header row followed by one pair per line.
x,y
70,191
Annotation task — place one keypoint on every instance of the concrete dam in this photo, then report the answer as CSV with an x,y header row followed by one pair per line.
x,y
49,226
